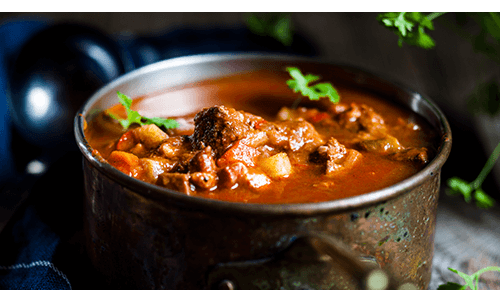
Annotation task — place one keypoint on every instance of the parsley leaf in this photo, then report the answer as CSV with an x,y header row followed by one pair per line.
x,y
410,27
473,189
275,25
486,98
135,117
471,281
300,83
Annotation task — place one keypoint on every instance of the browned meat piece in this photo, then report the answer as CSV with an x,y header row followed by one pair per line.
x,y
338,158
176,181
204,180
229,175
293,135
218,127
172,146
388,144
412,154
357,118
203,161
202,167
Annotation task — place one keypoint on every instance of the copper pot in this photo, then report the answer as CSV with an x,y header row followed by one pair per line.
x,y
142,236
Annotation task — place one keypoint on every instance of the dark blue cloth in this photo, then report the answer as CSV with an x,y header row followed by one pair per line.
x,y
33,245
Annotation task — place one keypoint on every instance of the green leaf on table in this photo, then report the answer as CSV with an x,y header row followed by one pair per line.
x,y
483,200
458,185
452,286
471,281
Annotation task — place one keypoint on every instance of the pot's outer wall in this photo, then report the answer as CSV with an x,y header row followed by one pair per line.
x,y
142,244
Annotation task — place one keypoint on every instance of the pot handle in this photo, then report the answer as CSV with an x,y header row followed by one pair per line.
x,y
312,262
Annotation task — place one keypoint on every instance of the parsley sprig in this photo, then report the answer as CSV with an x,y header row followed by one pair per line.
x,y
410,27
275,25
472,190
135,117
300,83
471,281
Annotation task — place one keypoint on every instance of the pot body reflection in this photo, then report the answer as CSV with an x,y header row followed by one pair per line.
x,y
144,237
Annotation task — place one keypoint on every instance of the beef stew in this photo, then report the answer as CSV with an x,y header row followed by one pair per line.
x,y
251,147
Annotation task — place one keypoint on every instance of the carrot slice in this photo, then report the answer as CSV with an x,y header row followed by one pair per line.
x,y
127,141
125,162
239,152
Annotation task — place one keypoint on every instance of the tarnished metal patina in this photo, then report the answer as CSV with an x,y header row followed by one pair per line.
x,y
141,236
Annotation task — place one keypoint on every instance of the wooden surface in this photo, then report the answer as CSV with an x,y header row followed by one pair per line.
x,y
467,239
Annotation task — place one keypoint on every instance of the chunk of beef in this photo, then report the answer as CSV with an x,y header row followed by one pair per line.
x,y
420,155
336,156
357,118
293,135
218,127
173,146
204,180
203,169
176,181
229,175
203,161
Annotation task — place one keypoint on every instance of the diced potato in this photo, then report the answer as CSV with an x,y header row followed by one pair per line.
x,y
256,180
153,167
277,166
389,144
125,162
150,135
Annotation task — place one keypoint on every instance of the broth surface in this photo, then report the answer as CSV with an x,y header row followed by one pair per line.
x,y
264,94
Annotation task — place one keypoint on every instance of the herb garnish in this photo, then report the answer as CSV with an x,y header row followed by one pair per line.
x,y
471,281
300,83
135,117
404,24
486,96
473,189
275,25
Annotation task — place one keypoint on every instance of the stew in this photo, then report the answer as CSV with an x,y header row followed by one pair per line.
x,y
239,140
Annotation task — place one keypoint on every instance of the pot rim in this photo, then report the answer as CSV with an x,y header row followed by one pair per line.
x,y
161,194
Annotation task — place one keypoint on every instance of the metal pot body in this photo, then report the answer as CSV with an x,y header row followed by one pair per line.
x,y
141,236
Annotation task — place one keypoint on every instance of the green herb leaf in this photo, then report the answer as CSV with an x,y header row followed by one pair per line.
x,y
485,99
275,25
482,199
135,117
471,281
473,189
301,83
403,24
452,286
